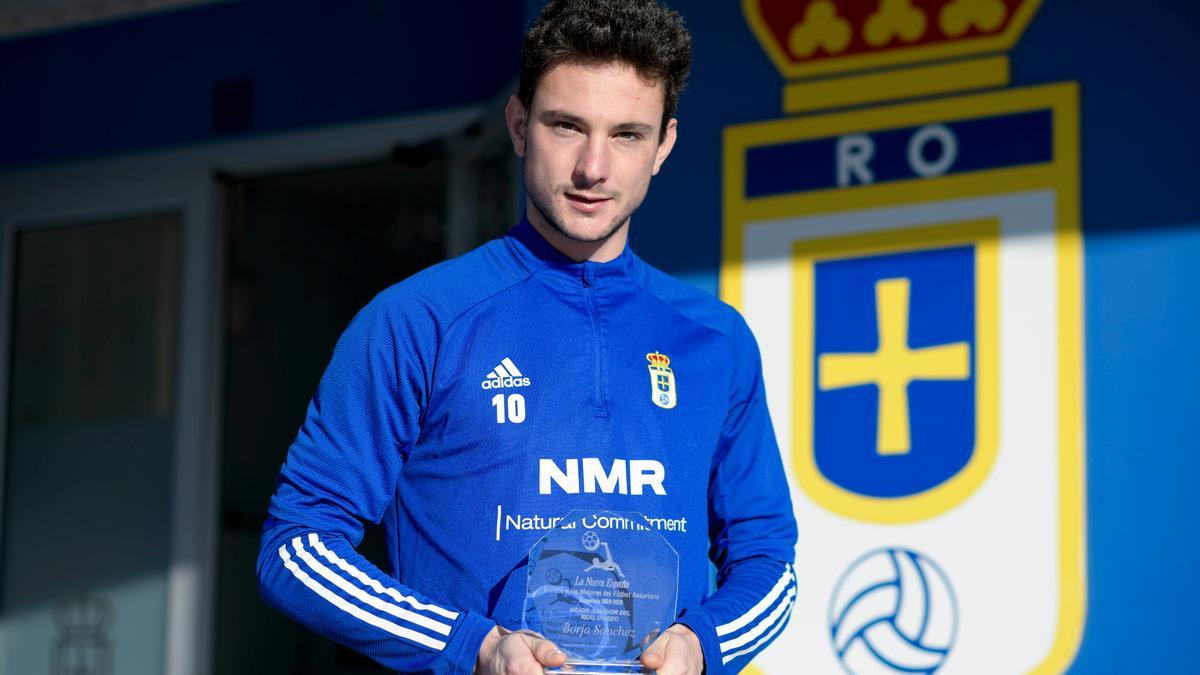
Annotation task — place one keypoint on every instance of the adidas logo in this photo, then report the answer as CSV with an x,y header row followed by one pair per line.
x,y
505,375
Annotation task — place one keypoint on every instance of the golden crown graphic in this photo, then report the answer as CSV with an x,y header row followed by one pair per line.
x,y
813,38
659,360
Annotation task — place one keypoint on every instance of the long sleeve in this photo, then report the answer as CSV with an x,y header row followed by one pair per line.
x,y
751,527
341,471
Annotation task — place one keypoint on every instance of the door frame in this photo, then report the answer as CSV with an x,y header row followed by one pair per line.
x,y
186,181
50,198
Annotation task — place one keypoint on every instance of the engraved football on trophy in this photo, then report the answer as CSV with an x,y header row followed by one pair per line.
x,y
602,585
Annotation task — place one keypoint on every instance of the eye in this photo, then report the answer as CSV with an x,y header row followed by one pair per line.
x,y
629,136
563,126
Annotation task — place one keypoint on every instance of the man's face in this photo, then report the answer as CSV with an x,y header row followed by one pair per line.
x,y
591,143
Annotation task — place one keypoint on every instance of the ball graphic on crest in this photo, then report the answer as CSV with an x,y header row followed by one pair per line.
x,y
591,541
892,611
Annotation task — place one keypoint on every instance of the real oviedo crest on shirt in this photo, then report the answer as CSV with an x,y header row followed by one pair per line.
x,y
662,381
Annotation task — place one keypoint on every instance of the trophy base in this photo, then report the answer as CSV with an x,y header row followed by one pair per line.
x,y
599,668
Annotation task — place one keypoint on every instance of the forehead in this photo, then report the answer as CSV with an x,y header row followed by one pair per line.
x,y
610,92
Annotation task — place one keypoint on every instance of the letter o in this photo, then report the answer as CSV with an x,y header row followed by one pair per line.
x,y
947,142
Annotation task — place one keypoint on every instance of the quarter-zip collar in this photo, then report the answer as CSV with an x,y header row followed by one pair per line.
x,y
535,253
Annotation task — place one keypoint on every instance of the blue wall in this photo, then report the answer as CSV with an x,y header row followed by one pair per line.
x,y
240,68
1142,285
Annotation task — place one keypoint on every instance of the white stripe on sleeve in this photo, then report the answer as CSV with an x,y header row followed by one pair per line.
x,y
365,598
366,617
754,612
766,638
362,578
763,625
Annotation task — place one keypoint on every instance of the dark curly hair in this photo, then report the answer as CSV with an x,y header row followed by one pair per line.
x,y
641,33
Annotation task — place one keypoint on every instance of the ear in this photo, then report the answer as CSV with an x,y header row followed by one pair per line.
x,y
664,147
514,118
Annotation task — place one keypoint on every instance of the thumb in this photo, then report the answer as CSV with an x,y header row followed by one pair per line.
x,y
655,654
545,651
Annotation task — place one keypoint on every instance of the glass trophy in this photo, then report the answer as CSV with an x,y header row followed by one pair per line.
x,y
602,586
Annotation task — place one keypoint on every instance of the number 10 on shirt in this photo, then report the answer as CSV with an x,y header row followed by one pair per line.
x,y
509,408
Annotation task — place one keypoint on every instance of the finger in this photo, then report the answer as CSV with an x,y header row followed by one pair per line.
x,y
677,658
655,654
546,652
518,657
526,665
677,652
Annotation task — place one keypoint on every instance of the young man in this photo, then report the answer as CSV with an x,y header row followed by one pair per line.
x,y
460,403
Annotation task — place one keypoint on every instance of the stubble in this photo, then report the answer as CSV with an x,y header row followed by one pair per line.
x,y
542,203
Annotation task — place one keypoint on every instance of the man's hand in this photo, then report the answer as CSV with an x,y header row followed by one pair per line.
x,y
505,652
675,652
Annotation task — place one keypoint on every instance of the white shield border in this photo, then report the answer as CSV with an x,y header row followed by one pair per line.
x,y
1060,177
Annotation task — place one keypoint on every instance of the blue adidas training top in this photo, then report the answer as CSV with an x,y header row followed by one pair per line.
x,y
469,405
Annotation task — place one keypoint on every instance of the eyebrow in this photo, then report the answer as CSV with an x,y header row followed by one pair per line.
x,y
564,116
639,127
561,115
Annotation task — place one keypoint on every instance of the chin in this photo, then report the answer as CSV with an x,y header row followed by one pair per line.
x,y
563,218
593,230
587,227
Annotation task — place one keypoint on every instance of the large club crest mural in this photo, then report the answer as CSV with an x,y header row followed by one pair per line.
x,y
913,273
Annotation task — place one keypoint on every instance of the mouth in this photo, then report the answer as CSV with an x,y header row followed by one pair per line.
x,y
585,203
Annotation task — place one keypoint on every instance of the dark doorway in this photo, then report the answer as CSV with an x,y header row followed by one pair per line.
x,y
307,251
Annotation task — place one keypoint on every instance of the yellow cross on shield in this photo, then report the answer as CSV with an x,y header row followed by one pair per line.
x,y
895,369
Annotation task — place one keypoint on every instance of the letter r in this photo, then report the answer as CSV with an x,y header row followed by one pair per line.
x,y
643,472
854,151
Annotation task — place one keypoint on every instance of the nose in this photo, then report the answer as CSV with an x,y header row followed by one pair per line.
x,y
592,165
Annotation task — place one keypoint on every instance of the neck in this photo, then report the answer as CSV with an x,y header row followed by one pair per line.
x,y
579,251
